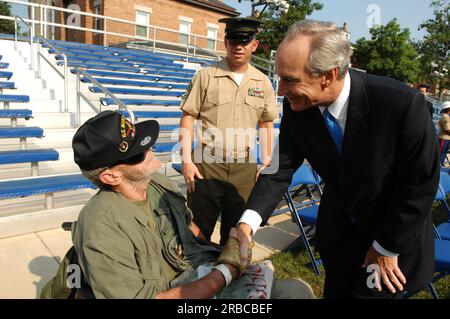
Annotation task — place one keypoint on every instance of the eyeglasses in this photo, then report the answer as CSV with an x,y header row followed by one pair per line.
x,y
132,160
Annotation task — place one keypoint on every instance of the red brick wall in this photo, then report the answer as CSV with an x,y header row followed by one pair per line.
x,y
164,13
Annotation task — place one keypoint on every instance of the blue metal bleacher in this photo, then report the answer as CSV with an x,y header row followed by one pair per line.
x,y
4,65
26,156
109,101
14,98
44,185
155,62
164,147
6,74
118,90
17,132
16,113
112,52
136,76
153,114
136,83
100,67
168,127
7,85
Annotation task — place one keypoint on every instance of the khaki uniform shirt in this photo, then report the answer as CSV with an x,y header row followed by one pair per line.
x,y
444,127
227,111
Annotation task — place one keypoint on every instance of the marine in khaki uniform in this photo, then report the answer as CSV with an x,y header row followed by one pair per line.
x,y
229,100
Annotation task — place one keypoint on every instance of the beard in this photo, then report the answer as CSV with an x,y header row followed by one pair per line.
x,y
138,176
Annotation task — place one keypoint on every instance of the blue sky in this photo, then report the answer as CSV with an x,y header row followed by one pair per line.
x,y
357,13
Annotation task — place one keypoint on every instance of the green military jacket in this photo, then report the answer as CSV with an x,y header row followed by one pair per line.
x,y
122,257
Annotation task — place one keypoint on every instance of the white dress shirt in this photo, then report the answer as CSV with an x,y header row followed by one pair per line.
x,y
338,109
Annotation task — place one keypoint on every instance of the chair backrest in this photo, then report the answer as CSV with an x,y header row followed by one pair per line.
x,y
444,182
304,175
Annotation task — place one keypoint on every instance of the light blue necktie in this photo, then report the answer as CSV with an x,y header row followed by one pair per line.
x,y
334,129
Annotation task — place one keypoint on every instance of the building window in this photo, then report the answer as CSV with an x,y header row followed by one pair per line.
x,y
211,38
142,21
97,20
185,31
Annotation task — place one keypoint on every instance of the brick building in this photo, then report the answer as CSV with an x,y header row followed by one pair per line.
x,y
188,17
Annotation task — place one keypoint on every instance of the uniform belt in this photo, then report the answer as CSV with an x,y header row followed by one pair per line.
x,y
222,155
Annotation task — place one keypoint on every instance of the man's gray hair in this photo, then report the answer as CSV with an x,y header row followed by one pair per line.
x,y
94,176
330,46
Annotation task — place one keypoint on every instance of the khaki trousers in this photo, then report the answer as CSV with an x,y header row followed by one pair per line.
x,y
223,192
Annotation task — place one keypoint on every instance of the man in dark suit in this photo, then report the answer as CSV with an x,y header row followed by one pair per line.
x,y
372,141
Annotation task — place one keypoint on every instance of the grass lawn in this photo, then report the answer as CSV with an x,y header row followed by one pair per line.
x,y
296,263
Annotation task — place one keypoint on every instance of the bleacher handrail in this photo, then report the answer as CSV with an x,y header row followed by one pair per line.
x,y
64,75
104,90
216,55
31,33
43,23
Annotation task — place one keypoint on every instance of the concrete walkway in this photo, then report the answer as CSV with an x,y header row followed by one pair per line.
x,y
27,262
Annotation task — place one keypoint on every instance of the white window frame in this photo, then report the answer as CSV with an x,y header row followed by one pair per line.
x,y
185,21
148,12
215,28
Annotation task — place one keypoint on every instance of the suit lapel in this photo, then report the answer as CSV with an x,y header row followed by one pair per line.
x,y
356,126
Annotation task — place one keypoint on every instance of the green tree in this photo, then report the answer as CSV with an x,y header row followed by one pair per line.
x,y
277,24
6,26
435,46
389,52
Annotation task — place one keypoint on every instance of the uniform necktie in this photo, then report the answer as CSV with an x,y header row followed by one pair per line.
x,y
334,129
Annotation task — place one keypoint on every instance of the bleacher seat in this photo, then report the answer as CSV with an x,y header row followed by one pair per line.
x,y
17,132
6,74
109,101
118,90
100,67
168,127
4,65
7,85
43,185
136,76
16,113
26,156
136,83
14,98
164,147
153,114
29,156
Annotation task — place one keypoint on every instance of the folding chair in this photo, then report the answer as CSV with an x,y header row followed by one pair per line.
x,y
304,212
442,263
443,230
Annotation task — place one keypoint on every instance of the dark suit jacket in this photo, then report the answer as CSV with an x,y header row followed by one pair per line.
x,y
385,179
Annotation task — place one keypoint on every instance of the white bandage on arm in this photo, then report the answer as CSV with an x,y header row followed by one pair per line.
x,y
225,272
